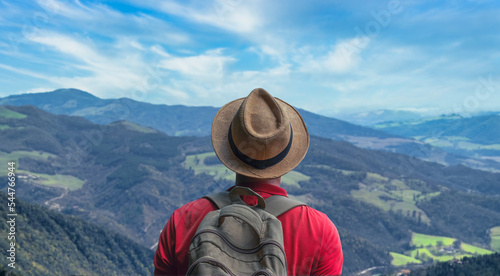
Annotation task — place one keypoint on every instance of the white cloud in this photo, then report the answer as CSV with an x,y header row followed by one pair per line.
x,y
236,16
104,20
209,64
97,70
23,72
67,45
343,57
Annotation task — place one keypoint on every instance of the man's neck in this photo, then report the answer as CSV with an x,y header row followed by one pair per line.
x,y
242,179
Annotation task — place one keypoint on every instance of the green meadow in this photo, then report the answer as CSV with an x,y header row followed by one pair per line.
x,y
61,181
9,114
136,127
400,260
16,155
392,195
421,240
57,180
436,248
495,238
196,162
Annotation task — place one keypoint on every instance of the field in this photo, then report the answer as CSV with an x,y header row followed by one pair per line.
x,y
436,248
421,240
475,250
56,180
135,127
197,162
9,114
293,178
495,238
15,155
425,254
392,195
61,181
399,259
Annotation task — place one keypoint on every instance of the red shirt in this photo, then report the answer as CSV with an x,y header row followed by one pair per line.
x,y
311,241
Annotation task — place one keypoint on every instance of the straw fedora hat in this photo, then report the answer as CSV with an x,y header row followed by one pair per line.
x,y
259,136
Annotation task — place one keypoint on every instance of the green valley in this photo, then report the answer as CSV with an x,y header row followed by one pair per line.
x,y
429,248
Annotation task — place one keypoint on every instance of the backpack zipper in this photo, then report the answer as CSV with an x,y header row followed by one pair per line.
x,y
211,261
215,262
242,250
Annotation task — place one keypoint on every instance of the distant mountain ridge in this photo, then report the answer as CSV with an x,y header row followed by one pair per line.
x,y
175,120
484,129
477,136
178,120
370,118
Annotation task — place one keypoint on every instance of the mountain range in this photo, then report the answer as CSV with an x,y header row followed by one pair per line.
x,y
370,118
129,178
477,136
178,120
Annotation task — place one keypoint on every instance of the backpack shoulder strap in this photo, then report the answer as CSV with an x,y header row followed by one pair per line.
x,y
278,205
219,199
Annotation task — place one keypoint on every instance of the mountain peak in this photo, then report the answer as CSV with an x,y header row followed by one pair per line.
x,y
73,92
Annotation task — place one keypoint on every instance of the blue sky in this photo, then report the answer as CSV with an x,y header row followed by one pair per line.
x,y
327,56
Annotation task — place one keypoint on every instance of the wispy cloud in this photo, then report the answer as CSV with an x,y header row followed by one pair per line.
x,y
210,64
23,72
315,55
233,15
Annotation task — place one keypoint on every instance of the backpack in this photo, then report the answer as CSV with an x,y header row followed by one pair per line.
x,y
238,239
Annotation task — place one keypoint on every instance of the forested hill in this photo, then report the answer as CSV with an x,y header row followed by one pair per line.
x,y
130,178
50,243
488,265
122,176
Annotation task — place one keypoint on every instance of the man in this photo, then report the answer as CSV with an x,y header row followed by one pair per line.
x,y
260,138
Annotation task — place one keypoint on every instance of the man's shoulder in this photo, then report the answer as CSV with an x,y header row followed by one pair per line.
x,y
307,213
196,206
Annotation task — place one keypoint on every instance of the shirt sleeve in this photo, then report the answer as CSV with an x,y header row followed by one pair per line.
x,y
331,256
164,259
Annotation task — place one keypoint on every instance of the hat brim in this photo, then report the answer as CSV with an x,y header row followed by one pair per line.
x,y
220,131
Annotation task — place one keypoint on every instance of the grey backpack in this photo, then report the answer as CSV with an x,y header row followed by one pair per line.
x,y
238,239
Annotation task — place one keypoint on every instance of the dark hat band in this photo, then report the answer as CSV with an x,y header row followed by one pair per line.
x,y
259,164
